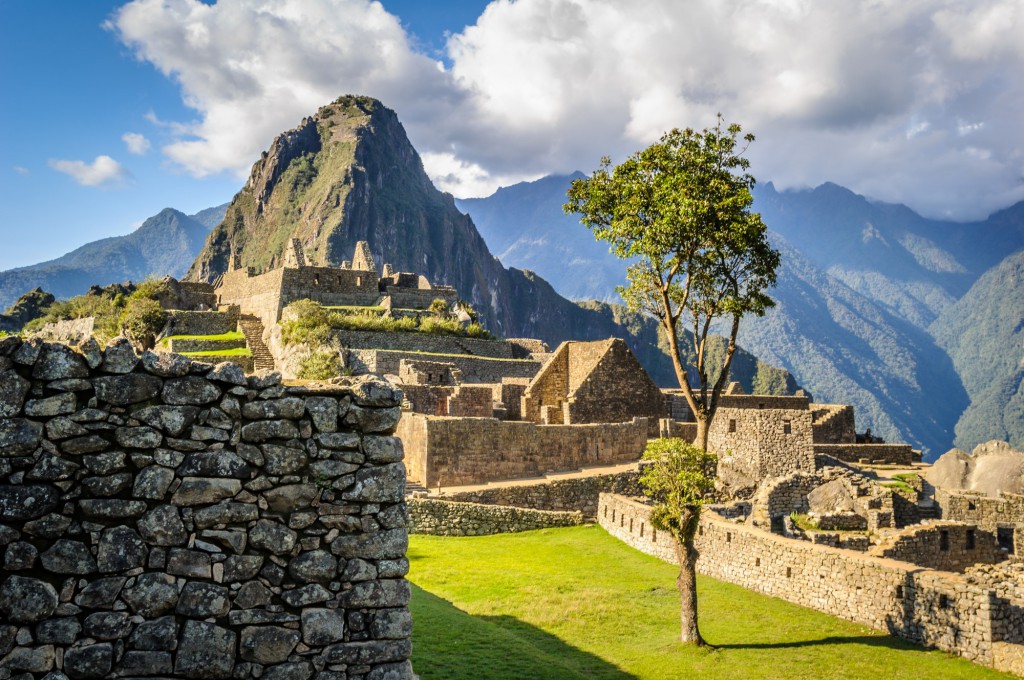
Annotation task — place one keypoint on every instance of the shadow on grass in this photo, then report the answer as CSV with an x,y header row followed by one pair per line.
x,y
888,642
449,643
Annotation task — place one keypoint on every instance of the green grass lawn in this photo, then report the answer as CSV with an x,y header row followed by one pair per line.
x,y
577,603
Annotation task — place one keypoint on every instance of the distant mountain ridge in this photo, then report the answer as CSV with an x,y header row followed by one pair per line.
x,y
861,285
165,244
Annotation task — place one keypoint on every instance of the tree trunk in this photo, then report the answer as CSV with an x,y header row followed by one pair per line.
x,y
701,440
687,584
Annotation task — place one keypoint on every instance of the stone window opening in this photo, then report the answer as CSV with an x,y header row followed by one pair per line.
x,y
760,404
316,279
641,529
789,572
757,561
732,425
899,592
700,530
613,516
359,280
943,601
338,280
787,426
971,505
969,540
944,540
606,511
630,525
654,535
728,537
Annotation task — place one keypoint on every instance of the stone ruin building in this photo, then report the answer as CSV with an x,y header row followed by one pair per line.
x,y
357,283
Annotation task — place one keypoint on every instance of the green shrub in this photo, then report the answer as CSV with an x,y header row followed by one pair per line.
x,y
142,320
475,330
310,325
322,364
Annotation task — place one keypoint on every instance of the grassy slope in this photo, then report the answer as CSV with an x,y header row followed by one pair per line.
x,y
577,603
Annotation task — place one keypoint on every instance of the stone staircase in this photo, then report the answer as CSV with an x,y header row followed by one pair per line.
x,y
252,329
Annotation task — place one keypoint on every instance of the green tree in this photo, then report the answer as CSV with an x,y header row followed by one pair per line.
x,y
679,211
142,320
680,478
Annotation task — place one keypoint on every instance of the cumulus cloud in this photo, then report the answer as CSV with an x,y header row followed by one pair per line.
x,y
21,170
136,143
103,171
904,100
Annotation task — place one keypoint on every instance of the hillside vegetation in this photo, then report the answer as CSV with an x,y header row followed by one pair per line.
x,y
577,603
984,334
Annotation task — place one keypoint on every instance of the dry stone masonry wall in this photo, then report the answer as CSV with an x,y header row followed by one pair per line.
x,y
160,517
448,518
965,616
463,451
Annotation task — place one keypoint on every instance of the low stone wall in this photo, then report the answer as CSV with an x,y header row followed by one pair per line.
x,y
580,494
464,451
170,518
448,518
182,345
203,323
886,454
474,369
931,608
68,330
424,342
946,546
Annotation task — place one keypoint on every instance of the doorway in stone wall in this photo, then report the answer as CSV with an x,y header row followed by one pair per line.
x,y
1004,537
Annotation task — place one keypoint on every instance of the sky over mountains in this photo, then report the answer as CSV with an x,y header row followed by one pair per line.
x,y
911,101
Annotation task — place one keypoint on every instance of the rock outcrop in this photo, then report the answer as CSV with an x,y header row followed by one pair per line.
x,y
991,468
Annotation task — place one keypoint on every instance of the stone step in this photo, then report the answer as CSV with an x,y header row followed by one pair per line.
x,y
252,328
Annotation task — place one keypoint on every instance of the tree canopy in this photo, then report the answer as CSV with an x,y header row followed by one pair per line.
x,y
680,213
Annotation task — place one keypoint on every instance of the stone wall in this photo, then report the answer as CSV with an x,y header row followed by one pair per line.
x,y
886,454
931,608
834,424
170,518
448,518
464,451
424,342
579,494
1003,515
474,369
68,330
755,443
258,295
202,323
946,546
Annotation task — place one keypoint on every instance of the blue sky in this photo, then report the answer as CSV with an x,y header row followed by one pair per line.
x,y
73,90
115,110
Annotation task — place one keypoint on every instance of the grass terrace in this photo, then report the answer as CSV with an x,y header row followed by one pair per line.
x,y
576,603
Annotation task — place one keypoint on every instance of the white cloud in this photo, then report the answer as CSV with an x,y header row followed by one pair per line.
x,y
21,170
877,96
136,143
103,171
